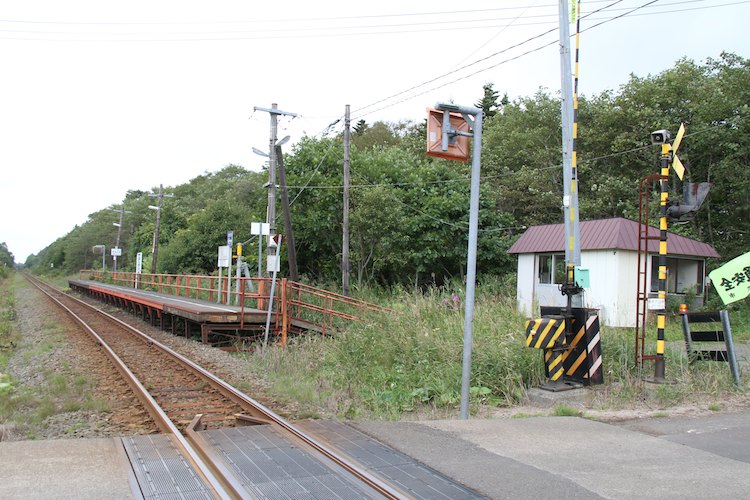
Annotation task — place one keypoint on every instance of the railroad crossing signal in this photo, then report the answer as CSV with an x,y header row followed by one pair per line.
x,y
662,138
677,166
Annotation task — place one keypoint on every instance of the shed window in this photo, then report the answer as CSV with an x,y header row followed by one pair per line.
x,y
552,269
683,275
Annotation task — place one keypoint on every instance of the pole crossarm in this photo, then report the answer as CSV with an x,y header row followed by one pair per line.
x,y
275,111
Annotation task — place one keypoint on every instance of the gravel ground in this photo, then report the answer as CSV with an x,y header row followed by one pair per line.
x,y
56,367
52,346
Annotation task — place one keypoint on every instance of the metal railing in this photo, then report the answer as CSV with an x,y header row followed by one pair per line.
x,y
296,307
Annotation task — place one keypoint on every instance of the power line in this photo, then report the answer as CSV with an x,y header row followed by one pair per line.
x,y
494,36
317,168
528,40
489,177
282,20
286,33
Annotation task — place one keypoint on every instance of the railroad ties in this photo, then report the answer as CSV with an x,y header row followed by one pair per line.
x,y
254,454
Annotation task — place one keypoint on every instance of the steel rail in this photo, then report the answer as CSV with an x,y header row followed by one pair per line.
x,y
219,486
263,413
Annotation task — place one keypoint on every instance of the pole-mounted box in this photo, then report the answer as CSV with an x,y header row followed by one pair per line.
x,y
457,145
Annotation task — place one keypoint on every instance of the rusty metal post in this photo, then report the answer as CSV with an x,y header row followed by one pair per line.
x,y
242,303
261,293
284,312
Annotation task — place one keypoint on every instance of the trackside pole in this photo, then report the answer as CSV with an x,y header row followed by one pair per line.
x,y
448,141
661,317
270,298
471,262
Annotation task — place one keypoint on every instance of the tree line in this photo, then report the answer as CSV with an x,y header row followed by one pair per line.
x,y
409,212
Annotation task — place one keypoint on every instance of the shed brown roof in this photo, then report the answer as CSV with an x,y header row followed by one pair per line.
x,y
605,234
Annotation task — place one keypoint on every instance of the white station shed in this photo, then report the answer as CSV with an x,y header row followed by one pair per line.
x,y
609,250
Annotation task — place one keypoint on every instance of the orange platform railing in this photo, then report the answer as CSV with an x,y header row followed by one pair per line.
x,y
295,306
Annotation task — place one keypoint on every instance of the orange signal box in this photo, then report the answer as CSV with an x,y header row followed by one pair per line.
x,y
458,149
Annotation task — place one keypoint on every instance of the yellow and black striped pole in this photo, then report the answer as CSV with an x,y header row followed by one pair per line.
x,y
574,242
666,152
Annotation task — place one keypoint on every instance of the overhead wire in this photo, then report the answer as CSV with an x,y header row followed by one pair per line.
x,y
494,36
369,184
528,40
291,33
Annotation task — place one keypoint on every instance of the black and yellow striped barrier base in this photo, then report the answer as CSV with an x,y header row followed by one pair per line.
x,y
575,357
545,333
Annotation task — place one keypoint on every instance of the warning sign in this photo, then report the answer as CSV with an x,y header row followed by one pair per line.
x,y
732,280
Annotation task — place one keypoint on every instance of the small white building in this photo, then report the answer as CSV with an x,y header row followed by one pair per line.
x,y
609,250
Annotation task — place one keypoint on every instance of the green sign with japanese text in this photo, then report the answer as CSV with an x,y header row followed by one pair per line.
x,y
732,280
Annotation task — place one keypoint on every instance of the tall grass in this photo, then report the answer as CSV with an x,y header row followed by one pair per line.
x,y
391,364
388,366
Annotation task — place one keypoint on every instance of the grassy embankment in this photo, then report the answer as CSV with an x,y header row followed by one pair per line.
x,y
392,366
53,387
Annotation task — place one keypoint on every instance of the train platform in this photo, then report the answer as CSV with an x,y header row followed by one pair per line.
x,y
519,458
148,302
225,314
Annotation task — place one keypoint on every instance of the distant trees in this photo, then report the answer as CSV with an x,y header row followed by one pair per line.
x,y
409,212
489,102
7,261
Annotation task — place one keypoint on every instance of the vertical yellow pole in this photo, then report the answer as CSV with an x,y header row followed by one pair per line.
x,y
666,151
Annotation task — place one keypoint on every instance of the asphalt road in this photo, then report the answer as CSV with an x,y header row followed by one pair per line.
x,y
571,457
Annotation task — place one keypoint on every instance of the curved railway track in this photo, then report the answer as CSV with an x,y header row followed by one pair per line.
x,y
184,398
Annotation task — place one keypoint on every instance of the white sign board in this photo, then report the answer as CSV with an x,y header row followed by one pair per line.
x,y
139,262
656,304
225,255
230,238
257,228
273,264
116,251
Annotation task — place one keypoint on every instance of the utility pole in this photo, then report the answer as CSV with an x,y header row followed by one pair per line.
x,y
274,111
155,247
570,173
449,138
345,243
119,230
291,250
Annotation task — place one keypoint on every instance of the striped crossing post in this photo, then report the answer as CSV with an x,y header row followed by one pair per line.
x,y
575,246
661,318
548,334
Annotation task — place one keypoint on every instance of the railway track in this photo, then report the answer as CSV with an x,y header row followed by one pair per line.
x,y
183,399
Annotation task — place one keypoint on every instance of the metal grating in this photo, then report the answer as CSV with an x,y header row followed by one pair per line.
x,y
272,467
161,471
419,480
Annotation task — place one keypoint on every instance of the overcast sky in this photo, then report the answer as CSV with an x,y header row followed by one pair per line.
x,y
98,97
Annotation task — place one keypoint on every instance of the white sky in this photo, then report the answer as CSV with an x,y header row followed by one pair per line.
x,y
98,97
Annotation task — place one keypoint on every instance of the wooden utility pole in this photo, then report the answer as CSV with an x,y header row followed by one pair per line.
x,y
291,250
345,242
119,231
274,112
155,247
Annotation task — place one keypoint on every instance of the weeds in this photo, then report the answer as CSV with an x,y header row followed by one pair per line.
x,y
563,410
58,390
409,361
390,365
